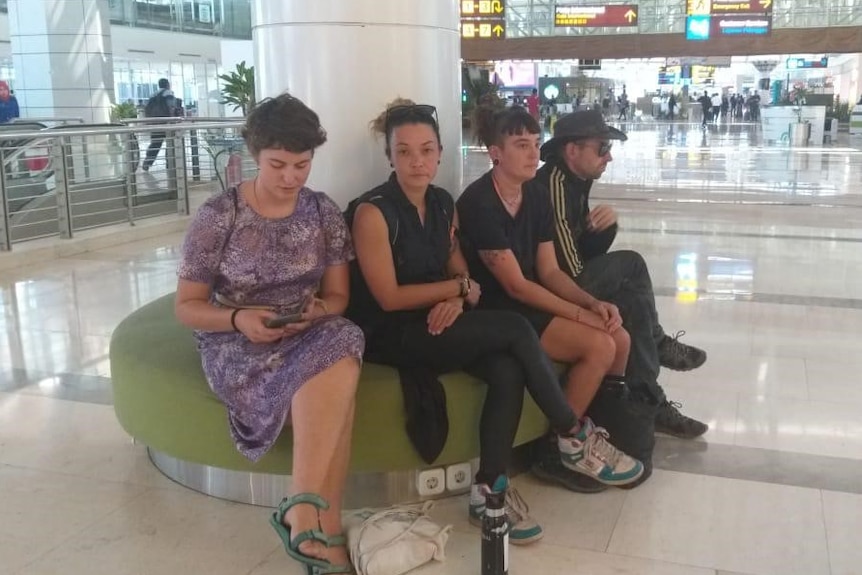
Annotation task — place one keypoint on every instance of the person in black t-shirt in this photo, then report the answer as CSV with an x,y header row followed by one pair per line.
x,y
413,297
508,234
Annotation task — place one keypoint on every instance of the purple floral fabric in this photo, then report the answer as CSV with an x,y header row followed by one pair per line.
x,y
252,260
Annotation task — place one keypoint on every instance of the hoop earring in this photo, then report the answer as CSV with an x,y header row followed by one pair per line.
x,y
496,162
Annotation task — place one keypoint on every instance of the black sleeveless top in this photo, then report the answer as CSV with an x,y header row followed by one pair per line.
x,y
419,253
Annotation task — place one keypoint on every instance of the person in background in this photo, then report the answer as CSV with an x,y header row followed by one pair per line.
x,y
263,281
716,107
508,234
8,104
575,157
163,104
413,298
671,106
533,104
624,107
706,106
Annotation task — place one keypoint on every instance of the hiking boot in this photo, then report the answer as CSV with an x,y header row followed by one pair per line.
x,y
678,356
669,420
523,529
590,453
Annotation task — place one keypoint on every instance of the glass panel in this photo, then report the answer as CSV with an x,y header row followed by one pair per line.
x,y
160,14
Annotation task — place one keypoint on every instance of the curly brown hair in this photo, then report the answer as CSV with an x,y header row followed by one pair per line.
x,y
384,125
283,123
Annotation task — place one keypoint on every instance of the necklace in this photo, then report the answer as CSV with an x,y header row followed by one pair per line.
x,y
511,202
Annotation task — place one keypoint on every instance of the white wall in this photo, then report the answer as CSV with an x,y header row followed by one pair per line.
x,y
145,44
847,77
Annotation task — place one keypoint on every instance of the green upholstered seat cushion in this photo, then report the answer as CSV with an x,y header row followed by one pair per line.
x,y
162,399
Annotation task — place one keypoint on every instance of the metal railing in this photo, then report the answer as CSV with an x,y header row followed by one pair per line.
x,y
61,180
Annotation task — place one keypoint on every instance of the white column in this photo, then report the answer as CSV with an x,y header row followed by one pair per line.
x,y
61,51
346,59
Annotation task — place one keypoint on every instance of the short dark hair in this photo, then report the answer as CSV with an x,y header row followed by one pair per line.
x,y
164,84
491,125
283,123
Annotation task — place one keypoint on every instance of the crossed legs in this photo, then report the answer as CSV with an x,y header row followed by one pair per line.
x,y
322,416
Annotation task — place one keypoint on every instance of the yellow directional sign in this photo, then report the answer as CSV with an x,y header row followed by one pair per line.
x,y
483,19
631,15
494,8
483,29
765,4
698,7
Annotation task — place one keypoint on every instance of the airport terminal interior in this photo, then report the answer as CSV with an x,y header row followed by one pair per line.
x,y
754,244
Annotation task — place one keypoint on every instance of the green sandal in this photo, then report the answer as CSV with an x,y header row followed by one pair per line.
x,y
313,565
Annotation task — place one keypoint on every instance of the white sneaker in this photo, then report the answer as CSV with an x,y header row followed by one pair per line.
x,y
590,453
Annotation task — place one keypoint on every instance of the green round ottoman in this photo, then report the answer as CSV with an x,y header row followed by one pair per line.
x,y
162,400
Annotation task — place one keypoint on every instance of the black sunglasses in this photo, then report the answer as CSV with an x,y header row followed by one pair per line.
x,y
604,148
400,114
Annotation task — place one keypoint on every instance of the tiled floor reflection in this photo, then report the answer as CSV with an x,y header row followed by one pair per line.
x,y
754,251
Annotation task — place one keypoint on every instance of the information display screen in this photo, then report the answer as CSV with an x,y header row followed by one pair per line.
x,y
595,15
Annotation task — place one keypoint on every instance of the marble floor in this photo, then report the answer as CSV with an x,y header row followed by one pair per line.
x,y
754,251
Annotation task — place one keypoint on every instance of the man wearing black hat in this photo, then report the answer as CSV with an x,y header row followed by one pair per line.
x,y
579,153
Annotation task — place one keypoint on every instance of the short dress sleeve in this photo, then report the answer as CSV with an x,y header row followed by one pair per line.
x,y
339,246
206,238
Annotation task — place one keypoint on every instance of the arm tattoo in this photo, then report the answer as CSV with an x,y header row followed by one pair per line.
x,y
491,258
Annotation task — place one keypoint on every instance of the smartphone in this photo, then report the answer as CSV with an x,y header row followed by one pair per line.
x,y
283,320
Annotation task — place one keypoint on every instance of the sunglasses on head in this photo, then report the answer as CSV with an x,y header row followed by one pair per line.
x,y
398,114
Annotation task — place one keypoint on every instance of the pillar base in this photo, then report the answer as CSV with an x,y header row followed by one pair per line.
x,y
379,489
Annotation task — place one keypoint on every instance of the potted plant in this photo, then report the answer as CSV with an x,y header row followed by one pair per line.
x,y
238,88
123,111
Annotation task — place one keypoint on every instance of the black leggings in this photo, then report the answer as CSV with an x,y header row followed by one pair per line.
x,y
501,349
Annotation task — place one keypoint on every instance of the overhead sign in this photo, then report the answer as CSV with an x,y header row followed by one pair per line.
x,y
742,25
717,61
491,30
480,8
697,27
797,63
595,15
740,6
698,7
711,18
483,19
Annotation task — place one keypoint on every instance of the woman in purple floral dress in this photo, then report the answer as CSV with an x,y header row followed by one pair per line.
x,y
269,248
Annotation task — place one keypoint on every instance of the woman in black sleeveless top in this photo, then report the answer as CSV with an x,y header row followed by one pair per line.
x,y
414,295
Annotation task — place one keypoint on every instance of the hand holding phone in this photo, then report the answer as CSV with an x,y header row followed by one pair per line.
x,y
283,320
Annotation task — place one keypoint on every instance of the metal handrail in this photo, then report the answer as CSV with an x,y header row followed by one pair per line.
x,y
86,184
74,131
47,119
178,120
